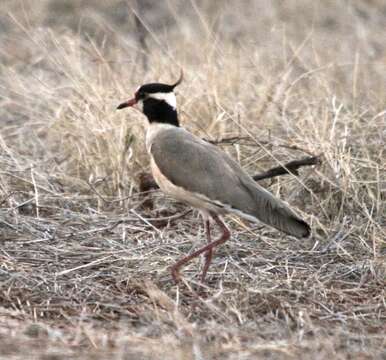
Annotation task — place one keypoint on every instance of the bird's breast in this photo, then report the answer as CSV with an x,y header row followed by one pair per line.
x,y
153,130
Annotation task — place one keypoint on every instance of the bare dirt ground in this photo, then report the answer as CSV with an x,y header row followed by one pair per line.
x,y
84,255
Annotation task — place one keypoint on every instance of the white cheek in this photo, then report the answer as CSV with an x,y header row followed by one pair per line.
x,y
170,98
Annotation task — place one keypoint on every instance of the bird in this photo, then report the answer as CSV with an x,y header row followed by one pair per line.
x,y
200,174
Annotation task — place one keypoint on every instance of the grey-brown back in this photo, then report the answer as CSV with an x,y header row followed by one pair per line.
x,y
202,168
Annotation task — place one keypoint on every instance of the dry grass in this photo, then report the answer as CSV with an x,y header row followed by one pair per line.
x,y
84,264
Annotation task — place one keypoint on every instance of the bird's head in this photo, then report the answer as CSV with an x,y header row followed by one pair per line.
x,y
157,101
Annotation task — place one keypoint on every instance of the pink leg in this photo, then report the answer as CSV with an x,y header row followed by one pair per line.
x,y
208,248
209,253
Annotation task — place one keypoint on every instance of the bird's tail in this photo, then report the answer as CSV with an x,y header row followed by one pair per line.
x,y
276,213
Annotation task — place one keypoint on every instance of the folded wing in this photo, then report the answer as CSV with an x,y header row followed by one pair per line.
x,y
202,168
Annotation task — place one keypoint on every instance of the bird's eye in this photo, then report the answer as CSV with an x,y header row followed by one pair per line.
x,y
141,95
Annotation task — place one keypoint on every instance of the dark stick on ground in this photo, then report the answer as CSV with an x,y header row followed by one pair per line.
x,y
289,168
147,183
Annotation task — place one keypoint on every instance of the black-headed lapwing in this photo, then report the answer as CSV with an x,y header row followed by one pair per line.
x,y
200,174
